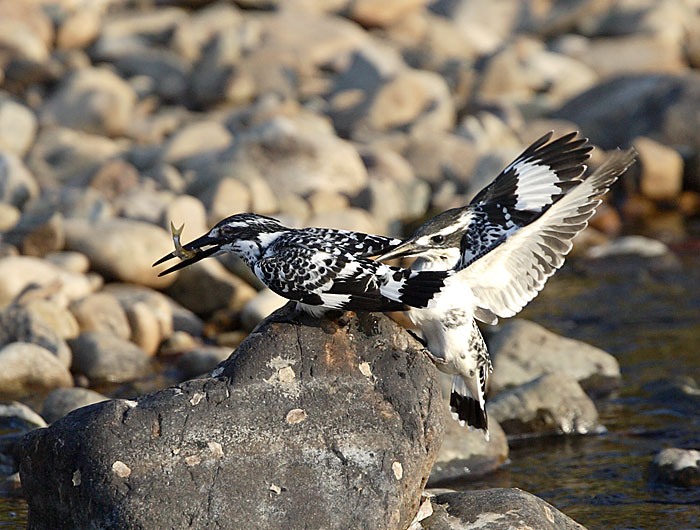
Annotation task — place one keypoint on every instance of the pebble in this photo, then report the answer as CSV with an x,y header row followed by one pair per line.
x,y
93,100
661,177
260,306
28,369
103,357
202,360
207,286
24,324
16,416
676,466
18,125
122,249
19,185
64,400
101,312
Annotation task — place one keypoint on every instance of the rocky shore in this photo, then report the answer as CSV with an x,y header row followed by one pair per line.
x,y
119,117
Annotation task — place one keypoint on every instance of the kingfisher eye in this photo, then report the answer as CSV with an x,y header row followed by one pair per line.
x,y
439,238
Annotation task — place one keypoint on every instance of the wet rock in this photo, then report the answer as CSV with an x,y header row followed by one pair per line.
x,y
661,177
285,427
121,249
28,369
17,183
676,466
680,393
202,360
293,159
551,404
62,155
260,306
103,357
64,400
207,286
101,312
522,351
496,509
93,100
630,245
18,127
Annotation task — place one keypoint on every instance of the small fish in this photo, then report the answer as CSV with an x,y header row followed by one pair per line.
x,y
180,251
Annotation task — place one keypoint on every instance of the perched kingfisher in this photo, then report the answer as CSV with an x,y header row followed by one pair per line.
x,y
320,269
502,247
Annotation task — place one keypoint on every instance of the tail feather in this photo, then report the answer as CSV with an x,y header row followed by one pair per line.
x,y
466,409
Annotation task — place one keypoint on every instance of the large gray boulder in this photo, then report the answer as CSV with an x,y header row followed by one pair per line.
x,y
309,424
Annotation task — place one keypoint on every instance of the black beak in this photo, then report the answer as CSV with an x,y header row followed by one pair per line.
x,y
406,249
197,245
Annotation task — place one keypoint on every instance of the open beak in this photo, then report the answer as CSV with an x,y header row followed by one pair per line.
x,y
197,246
405,250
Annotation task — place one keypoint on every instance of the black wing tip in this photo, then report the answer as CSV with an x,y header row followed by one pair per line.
x,y
469,411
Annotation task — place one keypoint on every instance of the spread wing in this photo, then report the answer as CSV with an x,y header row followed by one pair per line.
x,y
514,263
538,178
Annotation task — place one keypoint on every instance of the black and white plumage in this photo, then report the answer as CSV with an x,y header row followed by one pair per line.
x,y
503,247
318,268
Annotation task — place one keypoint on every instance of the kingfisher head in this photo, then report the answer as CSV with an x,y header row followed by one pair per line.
x,y
438,239
244,234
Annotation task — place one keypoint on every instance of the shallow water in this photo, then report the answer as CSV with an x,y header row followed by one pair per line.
x,y
650,321
649,318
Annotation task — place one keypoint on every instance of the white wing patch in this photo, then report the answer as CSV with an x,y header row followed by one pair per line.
x,y
536,185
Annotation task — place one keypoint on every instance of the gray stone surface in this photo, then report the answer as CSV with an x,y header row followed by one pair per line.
x,y
495,509
522,350
28,369
103,357
340,417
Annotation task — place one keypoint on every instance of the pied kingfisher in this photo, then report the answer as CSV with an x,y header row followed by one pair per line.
x,y
320,269
503,246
